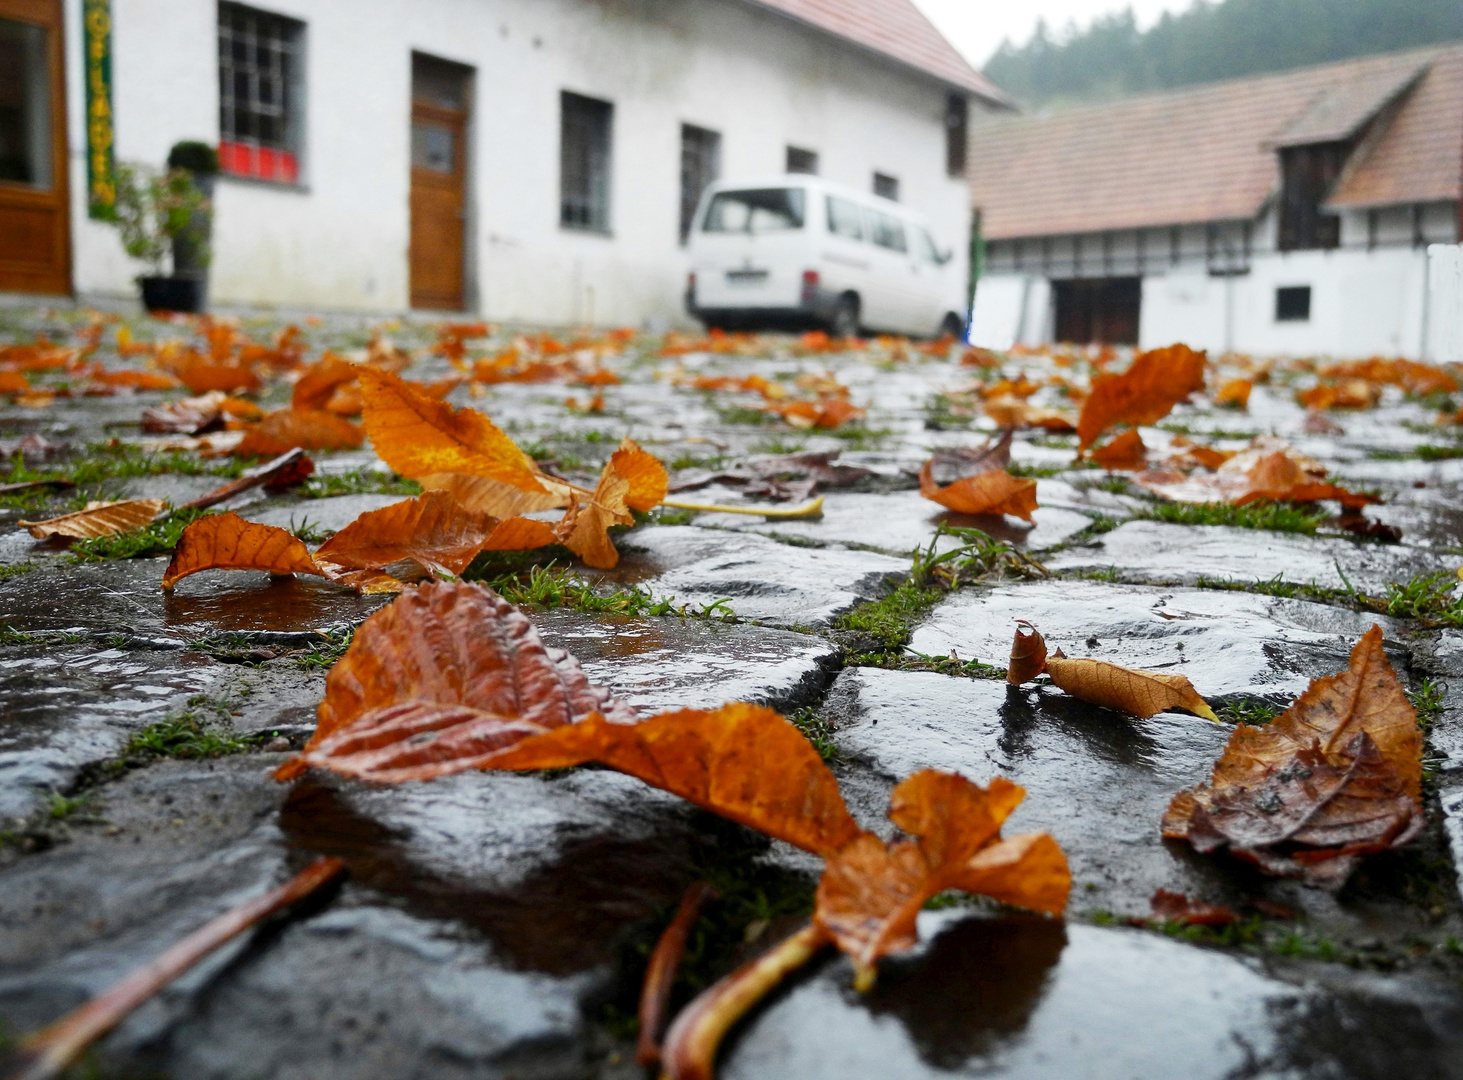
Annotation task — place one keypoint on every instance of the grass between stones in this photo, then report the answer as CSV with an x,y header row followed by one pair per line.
x,y
1271,516
358,482
99,463
158,538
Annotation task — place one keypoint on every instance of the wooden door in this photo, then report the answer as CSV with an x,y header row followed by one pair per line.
x,y
439,115
35,227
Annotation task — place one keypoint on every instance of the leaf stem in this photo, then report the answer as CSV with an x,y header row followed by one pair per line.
x,y
812,509
691,1045
46,1053
660,973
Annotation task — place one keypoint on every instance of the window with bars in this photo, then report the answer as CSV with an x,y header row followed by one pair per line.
x,y
260,93
886,186
700,166
585,131
802,161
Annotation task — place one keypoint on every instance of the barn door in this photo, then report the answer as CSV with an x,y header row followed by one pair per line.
x,y
35,244
439,115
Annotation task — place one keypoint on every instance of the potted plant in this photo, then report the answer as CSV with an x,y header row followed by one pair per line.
x,y
152,209
191,243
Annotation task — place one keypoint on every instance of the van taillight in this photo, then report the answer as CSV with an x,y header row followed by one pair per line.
x,y
810,285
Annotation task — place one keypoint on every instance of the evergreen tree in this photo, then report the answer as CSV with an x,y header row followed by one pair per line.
x,y
1213,40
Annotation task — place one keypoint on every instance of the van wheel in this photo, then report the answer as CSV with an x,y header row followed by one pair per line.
x,y
843,323
952,326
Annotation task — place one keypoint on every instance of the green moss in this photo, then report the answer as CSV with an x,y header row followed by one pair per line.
x,y
818,730
11,636
158,538
742,414
1427,701
16,570
553,586
332,647
1430,597
358,482
184,736
1036,472
858,436
1272,516
1278,586
1254,711
691,461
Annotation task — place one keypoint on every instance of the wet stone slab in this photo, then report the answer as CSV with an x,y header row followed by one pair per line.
x,y
1231,645
901,521
762,580
478,926
125,596
1097,780
1030,998
655,664
1152,551
330,514
68,707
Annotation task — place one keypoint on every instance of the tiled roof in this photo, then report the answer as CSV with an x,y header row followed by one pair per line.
x,y
895,29
1208,153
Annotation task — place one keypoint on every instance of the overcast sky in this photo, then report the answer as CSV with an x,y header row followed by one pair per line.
x,y
976,27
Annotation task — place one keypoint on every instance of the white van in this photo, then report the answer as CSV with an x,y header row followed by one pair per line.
x,y
801,251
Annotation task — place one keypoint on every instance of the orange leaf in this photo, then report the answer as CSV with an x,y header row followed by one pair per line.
x,y
871,893
1335,777
199,376
136,380
1009,411
520,534
1351,394
1269,469
98,519
419,436
996,492
309,429
228,542
631,478
13,382
1124,453
320,381
431,530
1028,656
1157,381
1235,392
645,474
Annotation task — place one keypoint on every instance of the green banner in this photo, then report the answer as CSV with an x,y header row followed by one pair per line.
x,y
101,180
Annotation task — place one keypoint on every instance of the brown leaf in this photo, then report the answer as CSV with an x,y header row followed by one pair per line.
x,y
1235,392
278,474
189,416
319,382
1028,656
200,376
1126,453
1129,690
871,893
431,530
1350,394
1269,469
308,429
98,519
643,472
1157,381
449,644
1337,776
1175,907
228,542
987,493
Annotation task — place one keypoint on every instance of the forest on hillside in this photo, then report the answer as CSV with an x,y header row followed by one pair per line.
x,y
1211,41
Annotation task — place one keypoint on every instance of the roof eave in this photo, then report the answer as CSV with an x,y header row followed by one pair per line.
x,y
989,92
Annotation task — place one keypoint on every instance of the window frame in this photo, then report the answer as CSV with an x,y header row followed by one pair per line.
x,y
888,182
597,200
695,138
957,134
800,161
278,162
1288,313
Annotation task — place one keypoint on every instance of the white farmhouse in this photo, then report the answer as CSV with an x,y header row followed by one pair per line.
x,y
1291,213
529,160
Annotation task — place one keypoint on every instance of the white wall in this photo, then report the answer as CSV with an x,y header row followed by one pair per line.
x,y
1445,303
340,239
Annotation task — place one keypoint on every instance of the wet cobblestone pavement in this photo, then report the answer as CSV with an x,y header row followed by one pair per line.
x,y
496,925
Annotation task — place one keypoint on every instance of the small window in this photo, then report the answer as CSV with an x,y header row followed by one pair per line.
x,y
700,166
25,105
887,231
886,187
845,218
802,161
585,131
957,120
1293,303
759,210
260,75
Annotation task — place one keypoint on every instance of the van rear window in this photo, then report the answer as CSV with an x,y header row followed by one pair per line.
x,y
757,210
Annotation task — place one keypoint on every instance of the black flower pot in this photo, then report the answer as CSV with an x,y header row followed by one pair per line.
x,y
172,293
